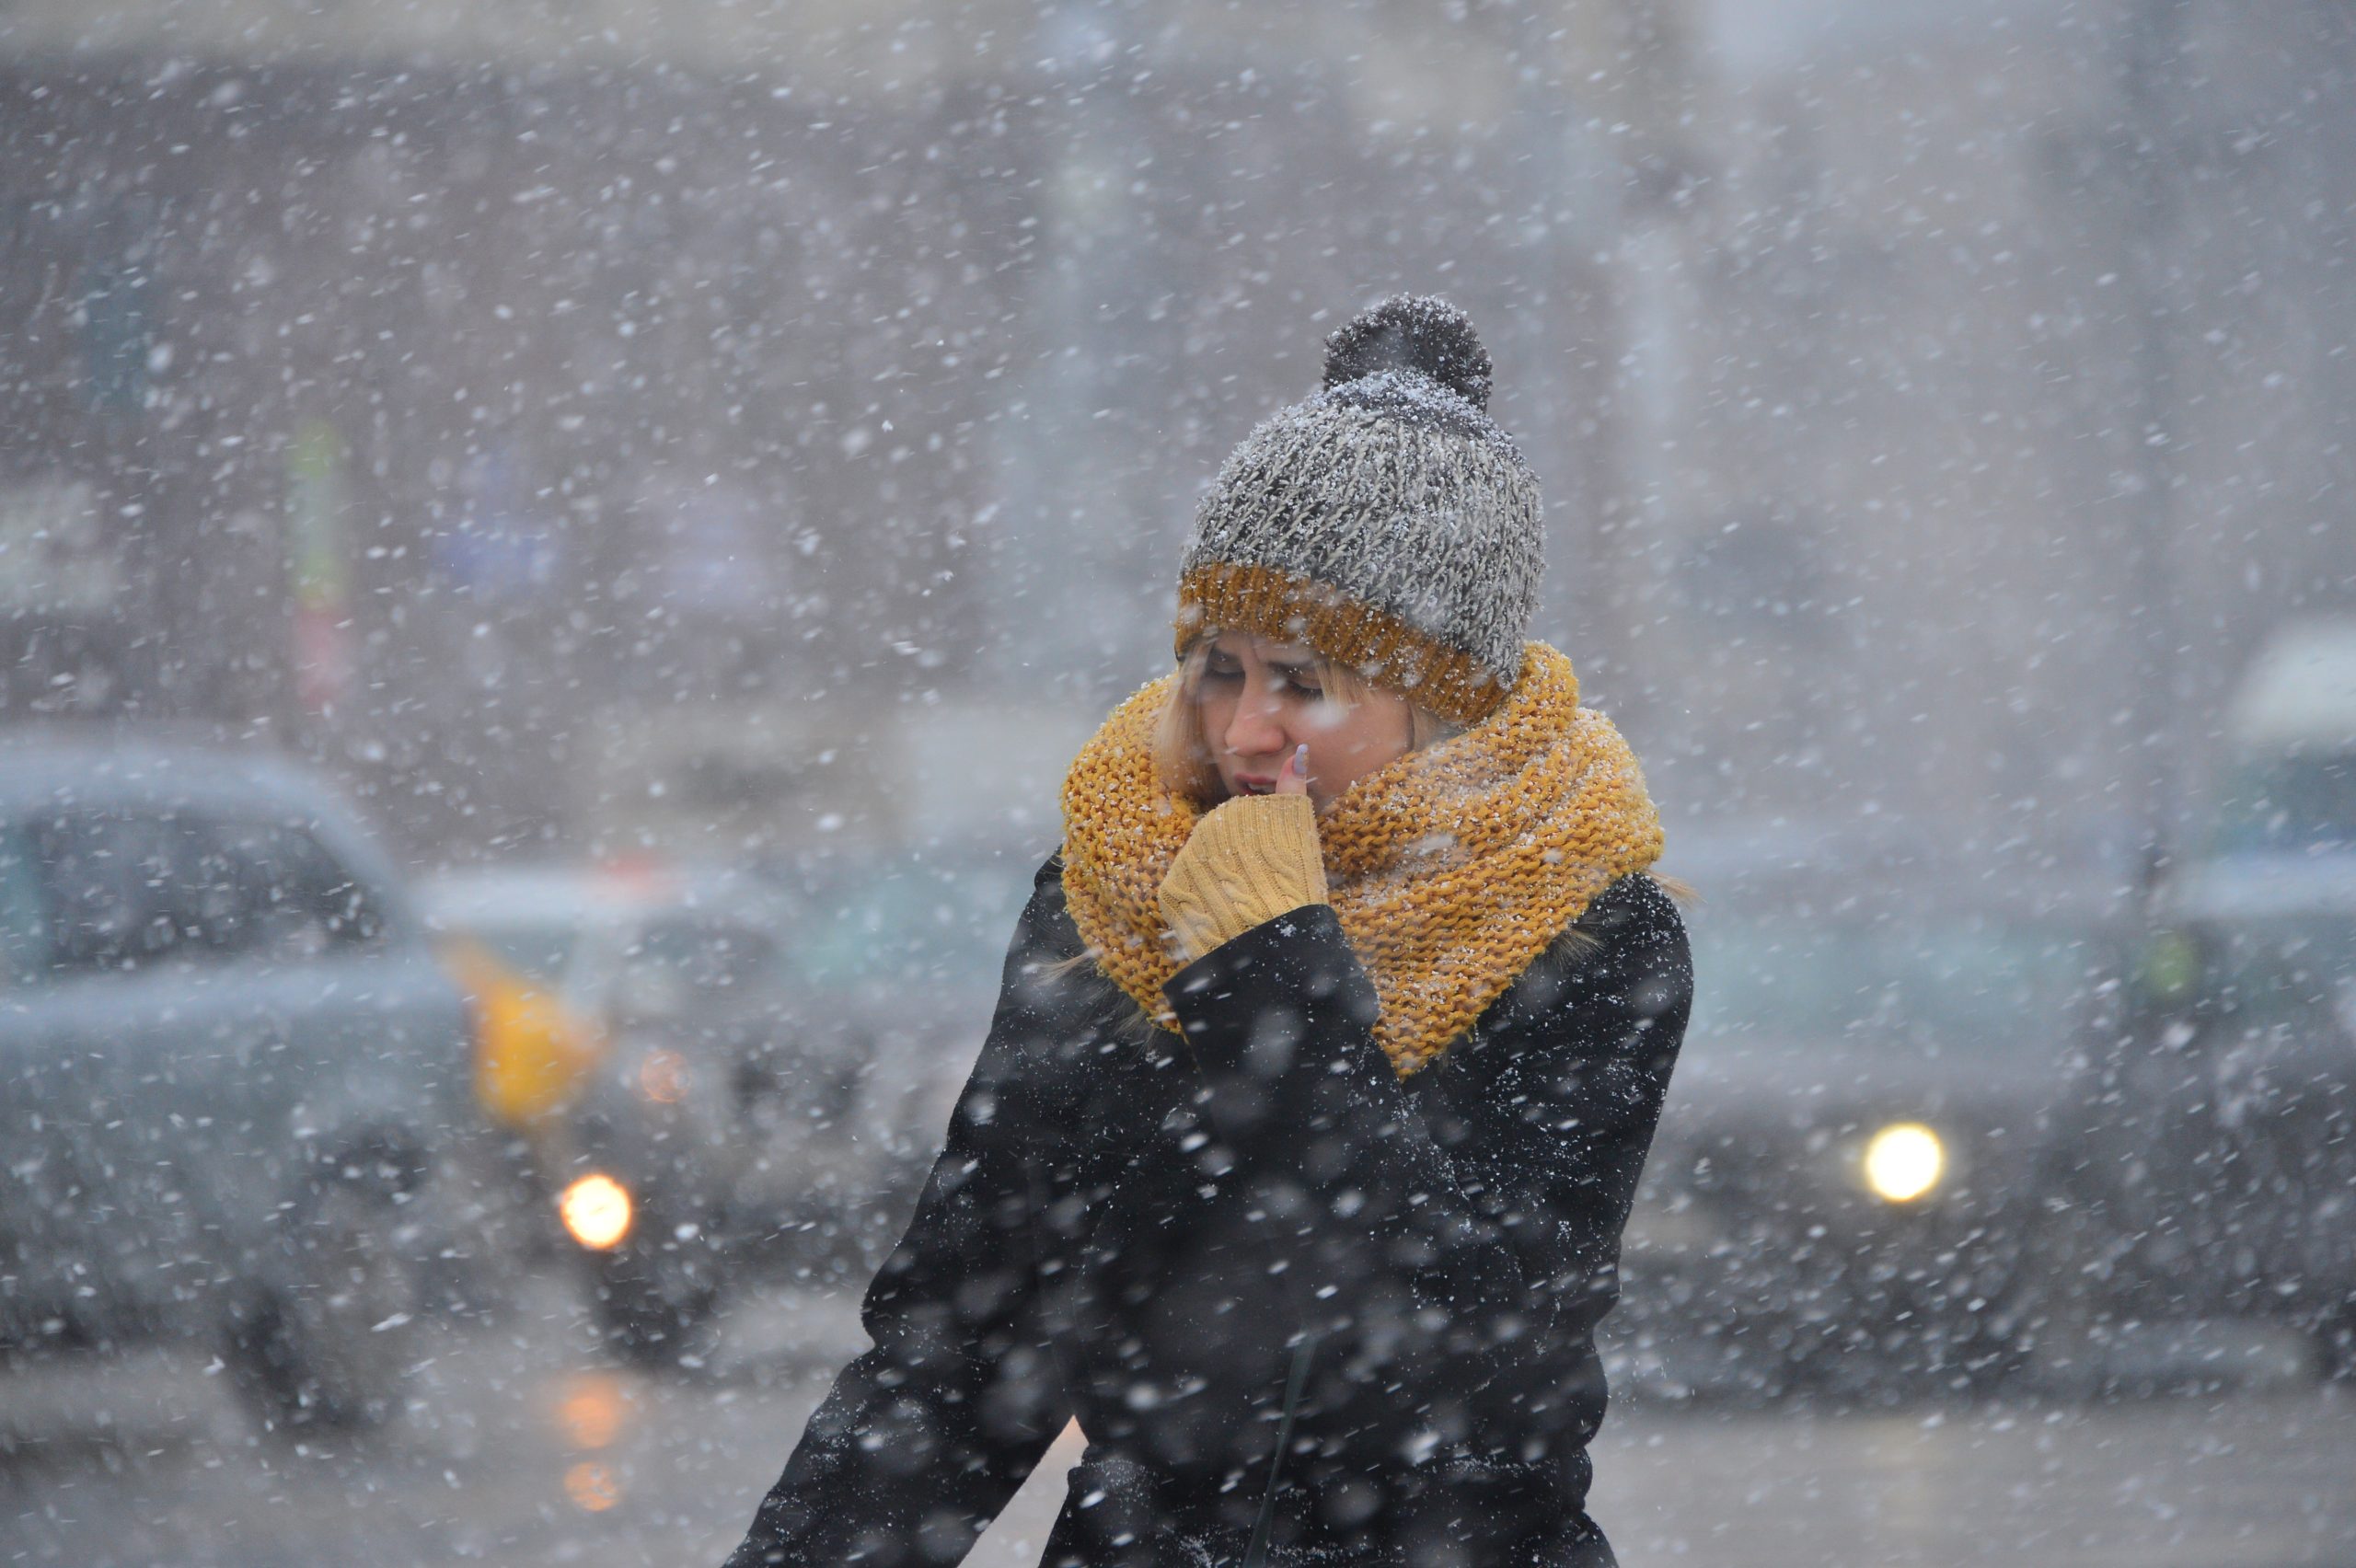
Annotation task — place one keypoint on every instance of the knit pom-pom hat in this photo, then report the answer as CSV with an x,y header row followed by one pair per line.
x,y
1385,521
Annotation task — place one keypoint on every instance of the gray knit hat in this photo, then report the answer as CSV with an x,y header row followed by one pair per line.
x,y
1385,521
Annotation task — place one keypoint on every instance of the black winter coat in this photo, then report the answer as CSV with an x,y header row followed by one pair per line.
x,y
1160,1236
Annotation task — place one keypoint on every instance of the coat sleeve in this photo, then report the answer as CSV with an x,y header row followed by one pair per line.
x,y
1463,1245
924,1438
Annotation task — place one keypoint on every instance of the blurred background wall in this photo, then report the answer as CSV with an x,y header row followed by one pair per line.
x,y
718,427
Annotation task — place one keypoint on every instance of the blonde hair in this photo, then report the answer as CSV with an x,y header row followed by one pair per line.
x,y
1182,753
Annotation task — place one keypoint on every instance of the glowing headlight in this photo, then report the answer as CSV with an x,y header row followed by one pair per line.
x,y
1903,1161
596,1209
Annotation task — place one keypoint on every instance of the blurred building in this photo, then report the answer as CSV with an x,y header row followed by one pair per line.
x,y
449,417
2007,362
549,414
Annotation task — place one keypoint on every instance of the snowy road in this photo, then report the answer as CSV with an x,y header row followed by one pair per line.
x,y
529,1447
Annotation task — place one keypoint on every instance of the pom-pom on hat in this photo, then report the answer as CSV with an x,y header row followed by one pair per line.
x,y
1385,521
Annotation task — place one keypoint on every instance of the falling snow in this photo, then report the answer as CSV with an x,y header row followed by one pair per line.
x,y
553,559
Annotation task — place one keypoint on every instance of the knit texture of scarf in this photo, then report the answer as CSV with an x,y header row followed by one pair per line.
x,y
1451,869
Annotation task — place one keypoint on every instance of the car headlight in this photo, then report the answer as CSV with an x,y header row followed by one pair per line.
x,y
596,1210
661,1076
1903,1161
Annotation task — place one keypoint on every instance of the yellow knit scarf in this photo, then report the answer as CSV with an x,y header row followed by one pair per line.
x,y
1451,869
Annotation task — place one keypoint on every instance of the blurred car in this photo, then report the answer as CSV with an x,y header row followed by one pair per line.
x,y
589,982
1843,1193
781,1054
229,1073
504,939
895,961
2212,1162
507,939
533,1052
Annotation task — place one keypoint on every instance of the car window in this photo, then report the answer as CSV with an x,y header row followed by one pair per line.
x,y
129,890
676,966
2292,804
908,922
539,950
303,900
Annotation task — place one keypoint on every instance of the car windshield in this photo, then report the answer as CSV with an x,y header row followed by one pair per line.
x,y
1988,981
2294,804
677,966
538,950
24,934
948,925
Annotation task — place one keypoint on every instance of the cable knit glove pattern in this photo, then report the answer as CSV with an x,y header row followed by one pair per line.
x,y
1254,858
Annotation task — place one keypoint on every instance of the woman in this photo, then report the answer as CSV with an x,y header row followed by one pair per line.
x,y
1296,1159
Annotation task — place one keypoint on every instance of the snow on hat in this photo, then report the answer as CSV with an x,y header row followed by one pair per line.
x,y
1386,521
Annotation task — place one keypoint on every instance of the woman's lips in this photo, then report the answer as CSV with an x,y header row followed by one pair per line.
x,y
1253,785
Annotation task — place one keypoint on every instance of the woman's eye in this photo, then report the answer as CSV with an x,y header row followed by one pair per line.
x,y
1308,689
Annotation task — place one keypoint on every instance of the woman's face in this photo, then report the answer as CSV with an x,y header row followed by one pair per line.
x,y
1259,699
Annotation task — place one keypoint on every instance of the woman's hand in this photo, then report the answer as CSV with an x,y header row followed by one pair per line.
x,y
1254,858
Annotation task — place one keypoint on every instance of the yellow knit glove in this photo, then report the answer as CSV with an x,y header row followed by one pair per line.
x,y
1254,858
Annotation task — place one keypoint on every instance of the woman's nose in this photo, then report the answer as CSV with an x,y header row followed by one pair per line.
x,y
1253,731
